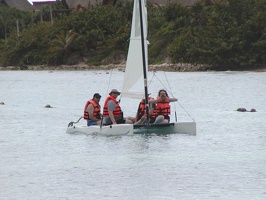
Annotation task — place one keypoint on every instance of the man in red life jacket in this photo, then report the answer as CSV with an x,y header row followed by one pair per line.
x,y
162,110
92,110
112,111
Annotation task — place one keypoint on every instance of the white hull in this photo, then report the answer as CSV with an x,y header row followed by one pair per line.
x,y
129,129
119,129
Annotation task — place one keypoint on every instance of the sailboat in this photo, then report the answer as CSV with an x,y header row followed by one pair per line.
x,y
135,85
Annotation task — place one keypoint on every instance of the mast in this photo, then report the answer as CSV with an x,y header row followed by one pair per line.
x,y
144,60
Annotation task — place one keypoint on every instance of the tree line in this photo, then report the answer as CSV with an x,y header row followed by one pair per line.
x,y
227,34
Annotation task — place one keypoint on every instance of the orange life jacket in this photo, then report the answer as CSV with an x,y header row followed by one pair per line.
x,y
96,111
162,108
142,109
116,112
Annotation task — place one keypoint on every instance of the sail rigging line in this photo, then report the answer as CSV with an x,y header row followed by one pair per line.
x,y
106,94
109,82
171,94
177,101
186,111
107,91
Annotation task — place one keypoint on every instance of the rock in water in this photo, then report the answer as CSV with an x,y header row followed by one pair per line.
x,y
241,110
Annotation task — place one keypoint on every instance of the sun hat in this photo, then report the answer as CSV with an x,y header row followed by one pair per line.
x,y
114,91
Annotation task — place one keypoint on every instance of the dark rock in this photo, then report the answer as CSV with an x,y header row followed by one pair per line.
x,y
48,106
241,110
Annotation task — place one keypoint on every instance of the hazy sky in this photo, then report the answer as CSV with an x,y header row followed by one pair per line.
x,y
39,0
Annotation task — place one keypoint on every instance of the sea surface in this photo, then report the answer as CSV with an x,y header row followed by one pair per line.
x,y
226,160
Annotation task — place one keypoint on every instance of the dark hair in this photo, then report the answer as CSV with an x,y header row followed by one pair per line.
x,y
163,91
97,95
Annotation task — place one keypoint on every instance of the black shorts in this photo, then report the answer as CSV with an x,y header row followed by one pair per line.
x,y
152,120
120,121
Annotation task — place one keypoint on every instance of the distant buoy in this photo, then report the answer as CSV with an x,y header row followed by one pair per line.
x,y
2,103
48,106
253,110
241,110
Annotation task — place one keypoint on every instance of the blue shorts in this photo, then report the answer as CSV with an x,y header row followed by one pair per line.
x,y
91,123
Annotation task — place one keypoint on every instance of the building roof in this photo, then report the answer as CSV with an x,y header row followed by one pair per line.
x,y
39,4
19,4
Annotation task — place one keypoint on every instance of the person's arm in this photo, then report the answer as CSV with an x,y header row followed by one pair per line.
x,y
90,110
151,109
136,117
169,99
172,99
153,101
111,107
111,115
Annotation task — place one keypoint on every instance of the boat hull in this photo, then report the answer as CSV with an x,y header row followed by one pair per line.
x,y
129,129
171,128
119,129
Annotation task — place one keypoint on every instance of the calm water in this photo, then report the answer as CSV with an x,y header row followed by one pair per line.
x,y
226,160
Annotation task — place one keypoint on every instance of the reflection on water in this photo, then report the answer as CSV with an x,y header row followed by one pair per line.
x,y
225,160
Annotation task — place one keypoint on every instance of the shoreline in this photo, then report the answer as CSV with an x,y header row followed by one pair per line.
x,y
120,67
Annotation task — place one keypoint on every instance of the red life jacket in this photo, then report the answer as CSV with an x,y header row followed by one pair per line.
x,y
162,108
142,109
116,112
96,111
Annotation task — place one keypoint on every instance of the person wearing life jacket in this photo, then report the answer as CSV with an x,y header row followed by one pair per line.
x,y
162,110
112,112
142,111
92,110
141,116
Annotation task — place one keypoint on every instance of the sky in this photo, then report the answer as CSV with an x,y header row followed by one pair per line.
x,y
38,0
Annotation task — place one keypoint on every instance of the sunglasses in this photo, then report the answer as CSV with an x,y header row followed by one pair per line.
x,y
116,93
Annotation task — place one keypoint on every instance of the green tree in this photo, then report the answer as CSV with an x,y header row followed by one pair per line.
x,y
165,23
9,18
223,34
6,21
31,47
105,30
227,38
63,45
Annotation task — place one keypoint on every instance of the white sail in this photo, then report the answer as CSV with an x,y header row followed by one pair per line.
x,y
133,84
